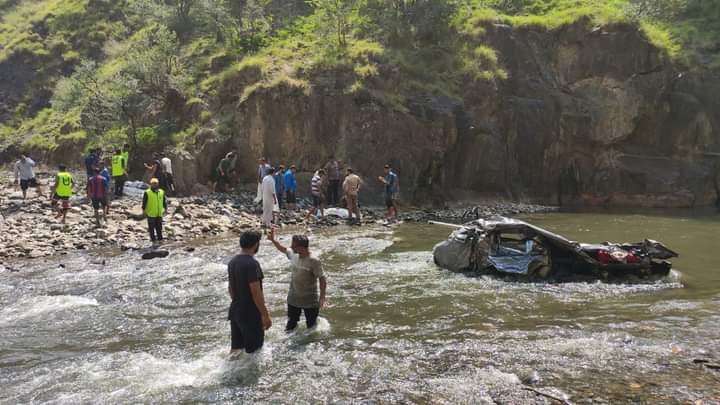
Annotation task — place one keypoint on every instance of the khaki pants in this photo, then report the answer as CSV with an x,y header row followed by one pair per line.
x,y
352,205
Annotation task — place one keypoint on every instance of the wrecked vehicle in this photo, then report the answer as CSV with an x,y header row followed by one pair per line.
x,y
506,246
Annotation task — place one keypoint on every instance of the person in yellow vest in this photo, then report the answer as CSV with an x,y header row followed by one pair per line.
x,y
126,156
62,191
154,205
118,171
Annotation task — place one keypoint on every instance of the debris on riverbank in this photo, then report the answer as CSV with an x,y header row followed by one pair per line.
x,y
31,230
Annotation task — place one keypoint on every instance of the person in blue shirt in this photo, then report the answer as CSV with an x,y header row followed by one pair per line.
x,y
290,186
104,171
91,162
279,177
392,192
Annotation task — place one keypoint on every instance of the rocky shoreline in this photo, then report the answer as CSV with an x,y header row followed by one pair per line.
x,y
30,230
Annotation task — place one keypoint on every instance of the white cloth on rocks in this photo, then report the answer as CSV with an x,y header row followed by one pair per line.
x,y
268,199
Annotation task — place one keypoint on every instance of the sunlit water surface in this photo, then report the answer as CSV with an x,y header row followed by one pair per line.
x,y
397,329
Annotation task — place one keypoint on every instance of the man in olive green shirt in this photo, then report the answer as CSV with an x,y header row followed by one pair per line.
x,y
307,273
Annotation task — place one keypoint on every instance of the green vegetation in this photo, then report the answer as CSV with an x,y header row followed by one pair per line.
x,y
152,72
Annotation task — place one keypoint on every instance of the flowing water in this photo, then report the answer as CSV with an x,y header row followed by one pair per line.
x,y
397,329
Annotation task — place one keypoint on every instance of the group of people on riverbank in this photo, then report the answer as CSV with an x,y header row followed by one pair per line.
x,y
248,314
277,189
99,178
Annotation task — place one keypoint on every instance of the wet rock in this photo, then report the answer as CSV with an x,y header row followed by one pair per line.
x,y
155,254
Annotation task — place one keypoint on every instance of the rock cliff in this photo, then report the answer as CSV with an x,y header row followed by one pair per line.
x,y
588,116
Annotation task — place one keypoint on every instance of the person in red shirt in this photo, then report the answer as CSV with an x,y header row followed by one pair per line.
x,y
97,193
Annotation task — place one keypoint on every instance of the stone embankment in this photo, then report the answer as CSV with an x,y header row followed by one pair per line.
x,y
30,229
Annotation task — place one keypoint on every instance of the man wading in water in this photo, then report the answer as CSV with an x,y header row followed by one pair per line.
x,y
306,272
248,316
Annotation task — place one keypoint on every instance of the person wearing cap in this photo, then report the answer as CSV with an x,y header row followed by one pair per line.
x,y
290,186
269,199
154,205
392,192
62,190
306,273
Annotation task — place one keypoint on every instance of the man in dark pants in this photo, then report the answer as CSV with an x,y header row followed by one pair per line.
x,y
332,170
154,205
306,272
118,170
248,315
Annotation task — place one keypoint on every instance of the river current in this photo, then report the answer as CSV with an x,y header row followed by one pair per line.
x,y
94,328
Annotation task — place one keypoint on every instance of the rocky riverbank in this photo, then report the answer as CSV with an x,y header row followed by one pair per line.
x,y
30,229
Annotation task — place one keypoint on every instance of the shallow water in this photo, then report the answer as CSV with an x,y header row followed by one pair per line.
x,y
397,329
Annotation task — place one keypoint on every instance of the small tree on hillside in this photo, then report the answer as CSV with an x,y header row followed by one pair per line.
x,y
335,18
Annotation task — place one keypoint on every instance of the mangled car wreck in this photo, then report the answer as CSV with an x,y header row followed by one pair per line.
x,y
505,246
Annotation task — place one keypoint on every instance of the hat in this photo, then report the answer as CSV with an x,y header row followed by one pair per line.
x,y
154,181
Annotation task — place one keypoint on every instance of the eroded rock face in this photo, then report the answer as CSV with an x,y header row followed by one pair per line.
x,y
587,116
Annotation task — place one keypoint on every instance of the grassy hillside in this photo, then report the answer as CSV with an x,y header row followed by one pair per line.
x,y
152,72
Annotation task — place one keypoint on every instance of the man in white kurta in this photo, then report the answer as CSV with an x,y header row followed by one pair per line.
x,y
269,199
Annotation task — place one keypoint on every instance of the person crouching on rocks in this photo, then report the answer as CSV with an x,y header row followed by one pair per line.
x,y
154,205
62,191
306,274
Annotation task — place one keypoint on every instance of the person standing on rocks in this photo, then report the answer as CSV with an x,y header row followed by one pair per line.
x,y
280,186
224,170
351,189
126,155
91,161
332,169
392,192
154,205
155,168
269,199
248,315
167,169
62,191
317,185
306,274
119,172
290,186
97,193
25,177
262,171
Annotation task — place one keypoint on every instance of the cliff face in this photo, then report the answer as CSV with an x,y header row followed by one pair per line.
x,y
591,117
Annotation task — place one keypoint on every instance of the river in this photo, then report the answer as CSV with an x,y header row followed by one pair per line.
x,y
397,329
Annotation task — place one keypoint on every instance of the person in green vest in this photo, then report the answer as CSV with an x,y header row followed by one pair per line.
x,y
118,171
154,205
62,191
126,156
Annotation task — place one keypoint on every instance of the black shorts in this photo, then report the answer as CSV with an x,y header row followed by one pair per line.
x,y
97,202
246,335
317,201
290,197
25,184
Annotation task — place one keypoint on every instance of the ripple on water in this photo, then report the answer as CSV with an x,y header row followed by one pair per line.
x,y
42,306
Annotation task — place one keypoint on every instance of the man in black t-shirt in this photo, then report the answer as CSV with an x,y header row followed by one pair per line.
x,y
248,315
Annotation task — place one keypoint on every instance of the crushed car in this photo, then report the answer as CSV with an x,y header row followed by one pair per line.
x,y
511,247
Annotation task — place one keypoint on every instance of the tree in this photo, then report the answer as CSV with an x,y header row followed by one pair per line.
x,y
133,94
336,17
